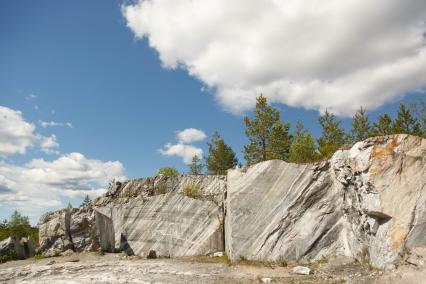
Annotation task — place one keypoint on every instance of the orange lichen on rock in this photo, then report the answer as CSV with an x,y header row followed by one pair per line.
x,y
380,151
398,235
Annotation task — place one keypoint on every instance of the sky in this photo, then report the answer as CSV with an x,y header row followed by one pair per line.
x,y
103,89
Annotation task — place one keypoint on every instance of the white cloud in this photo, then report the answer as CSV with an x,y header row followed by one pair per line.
x,y
314,54
46,124
190,135
49,144
183,148
39,184
187,152
31,97
16,135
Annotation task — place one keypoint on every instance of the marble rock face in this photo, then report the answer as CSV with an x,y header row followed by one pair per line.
x,y
367,202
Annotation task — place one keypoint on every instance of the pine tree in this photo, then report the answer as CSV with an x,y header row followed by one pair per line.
x,y
259,130
361,128
384,126
195,168
279,142
302,150
405,123
221,157
87,202
418,107
333,136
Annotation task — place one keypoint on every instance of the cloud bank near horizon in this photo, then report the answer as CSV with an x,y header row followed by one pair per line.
x,y
336,55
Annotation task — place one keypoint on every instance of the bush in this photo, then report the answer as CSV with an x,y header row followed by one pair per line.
x,y
192,191
168,172
18,226
161,189
10,255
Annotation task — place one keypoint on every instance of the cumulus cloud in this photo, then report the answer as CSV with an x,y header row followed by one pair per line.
x,y
313,54
49,144
40,184
17,135
190,135
46,124
183,148
187,152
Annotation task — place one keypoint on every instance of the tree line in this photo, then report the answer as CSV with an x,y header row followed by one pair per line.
x,y
270,138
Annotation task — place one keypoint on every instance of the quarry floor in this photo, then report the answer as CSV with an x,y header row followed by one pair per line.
x,y
117,268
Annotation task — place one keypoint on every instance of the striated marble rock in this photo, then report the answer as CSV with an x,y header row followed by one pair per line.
x,y
367,202
169,224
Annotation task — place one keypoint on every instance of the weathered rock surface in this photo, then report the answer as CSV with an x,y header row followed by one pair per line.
x,y
367,202
17,248
169,223
141,215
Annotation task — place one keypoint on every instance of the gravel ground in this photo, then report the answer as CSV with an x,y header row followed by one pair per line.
x,y
117,268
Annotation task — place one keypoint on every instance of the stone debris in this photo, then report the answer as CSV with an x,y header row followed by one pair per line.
x,y
301,270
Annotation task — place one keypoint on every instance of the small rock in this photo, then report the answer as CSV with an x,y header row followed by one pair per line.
x,y
73,258
218,254
301,270
152,254
51,262
266,280
68,252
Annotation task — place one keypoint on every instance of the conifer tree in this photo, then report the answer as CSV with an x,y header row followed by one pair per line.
x,y
221,157
405,123
195,168
383,126
302,150
419,109
279,142
361,128
333,136
258,130
87,202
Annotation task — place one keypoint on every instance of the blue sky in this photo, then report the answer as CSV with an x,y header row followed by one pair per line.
x,y
87,63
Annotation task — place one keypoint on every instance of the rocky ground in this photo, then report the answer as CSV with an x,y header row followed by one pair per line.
x,y
117,268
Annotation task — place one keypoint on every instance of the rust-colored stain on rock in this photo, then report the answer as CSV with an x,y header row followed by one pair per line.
x,y
398,235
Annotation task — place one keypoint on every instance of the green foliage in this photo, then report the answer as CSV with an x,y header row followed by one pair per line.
x,y
279,142
383,126
8,256
361,128
19,226
168,172
282,262
221,157
195,168
258,130
87,202
418,108
192,191
406,123
302,150
161,189
333,136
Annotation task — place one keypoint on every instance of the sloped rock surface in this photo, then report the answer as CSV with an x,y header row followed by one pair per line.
x,y
367,202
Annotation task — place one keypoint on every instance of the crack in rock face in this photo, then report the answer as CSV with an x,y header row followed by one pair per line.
x,y
367,202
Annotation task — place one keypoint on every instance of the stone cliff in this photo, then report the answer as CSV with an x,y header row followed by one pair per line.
x,y
367,202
